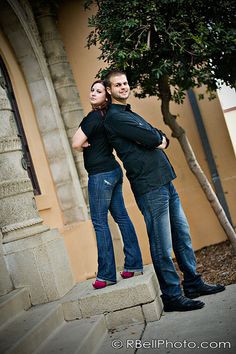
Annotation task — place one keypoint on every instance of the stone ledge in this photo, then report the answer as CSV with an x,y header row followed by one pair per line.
x,y
129,301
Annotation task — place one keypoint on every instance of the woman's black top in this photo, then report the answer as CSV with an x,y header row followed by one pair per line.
x,y
98,156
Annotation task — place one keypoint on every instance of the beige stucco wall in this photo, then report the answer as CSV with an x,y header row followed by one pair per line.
x,y
204,224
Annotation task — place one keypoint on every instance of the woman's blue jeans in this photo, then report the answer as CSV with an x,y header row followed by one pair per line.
x,y
168,229
105,194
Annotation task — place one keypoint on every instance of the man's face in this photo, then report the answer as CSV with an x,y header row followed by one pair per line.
x,y
119,89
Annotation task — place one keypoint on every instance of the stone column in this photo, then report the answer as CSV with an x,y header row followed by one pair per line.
x,y
62,78
19,26
35,255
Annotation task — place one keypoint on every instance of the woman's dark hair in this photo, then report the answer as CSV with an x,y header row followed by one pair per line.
x,y
103,108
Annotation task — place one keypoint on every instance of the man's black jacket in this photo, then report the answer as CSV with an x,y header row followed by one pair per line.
x,y
136,142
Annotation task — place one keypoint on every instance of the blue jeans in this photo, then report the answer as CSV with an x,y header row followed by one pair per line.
x,y
105,194
168,228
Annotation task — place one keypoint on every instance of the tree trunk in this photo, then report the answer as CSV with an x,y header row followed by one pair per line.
x,y
179,133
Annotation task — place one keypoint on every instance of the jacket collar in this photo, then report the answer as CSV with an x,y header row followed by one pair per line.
x,y
121,107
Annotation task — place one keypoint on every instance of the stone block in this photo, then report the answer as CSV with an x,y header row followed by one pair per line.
x,y
71,310
60,175
30,65
66,92
67,197
70,302
11,167
13,304
75,214
135,291
41,264
54,146
43,107
8,126
153,310
58,271
12,212
71,117
5,280
25,273
126,316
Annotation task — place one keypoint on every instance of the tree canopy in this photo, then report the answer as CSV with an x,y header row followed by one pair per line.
x,y
193,42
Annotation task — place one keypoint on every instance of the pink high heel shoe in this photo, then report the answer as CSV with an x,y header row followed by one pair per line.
x,y
100,284
126,275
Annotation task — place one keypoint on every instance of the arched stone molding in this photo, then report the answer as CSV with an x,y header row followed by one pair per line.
x,y
18,24
62,78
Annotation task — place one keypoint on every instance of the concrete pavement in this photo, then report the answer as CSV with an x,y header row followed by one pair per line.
x,y
209,330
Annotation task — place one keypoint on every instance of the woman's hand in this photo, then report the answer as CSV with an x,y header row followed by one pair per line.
x,y
85,144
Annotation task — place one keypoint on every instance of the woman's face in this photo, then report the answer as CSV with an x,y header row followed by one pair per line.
x,y
97,95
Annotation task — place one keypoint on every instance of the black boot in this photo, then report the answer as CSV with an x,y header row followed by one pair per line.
x,y
203,289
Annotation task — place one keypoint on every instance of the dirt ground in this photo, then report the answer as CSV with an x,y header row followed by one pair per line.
x,y
217,264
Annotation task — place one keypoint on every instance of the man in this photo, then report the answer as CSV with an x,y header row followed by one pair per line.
x,y
140,147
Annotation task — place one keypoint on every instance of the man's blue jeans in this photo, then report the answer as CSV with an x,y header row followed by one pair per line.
x,y
105,193
168,228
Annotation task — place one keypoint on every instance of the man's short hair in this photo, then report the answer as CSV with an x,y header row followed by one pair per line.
x,y
110,74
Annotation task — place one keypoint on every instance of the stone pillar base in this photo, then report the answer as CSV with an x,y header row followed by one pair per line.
x,y
40,263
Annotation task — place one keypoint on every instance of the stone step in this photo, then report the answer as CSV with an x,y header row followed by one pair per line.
x,y
43,329
134,300
30,328
121,340
76,337
12,304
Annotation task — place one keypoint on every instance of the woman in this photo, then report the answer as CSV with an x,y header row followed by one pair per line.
x,y
105,192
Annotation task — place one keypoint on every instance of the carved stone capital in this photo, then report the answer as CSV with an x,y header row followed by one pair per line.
x,y
65,83
10,188
11,143
50,36
57,59
71,107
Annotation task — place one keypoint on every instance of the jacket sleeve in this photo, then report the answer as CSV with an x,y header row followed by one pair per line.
x,y
139,132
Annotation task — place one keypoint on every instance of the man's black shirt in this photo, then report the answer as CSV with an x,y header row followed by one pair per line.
x,y
135,142
98,156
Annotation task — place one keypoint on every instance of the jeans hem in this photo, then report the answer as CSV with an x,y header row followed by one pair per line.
x,y
106,280
133,270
